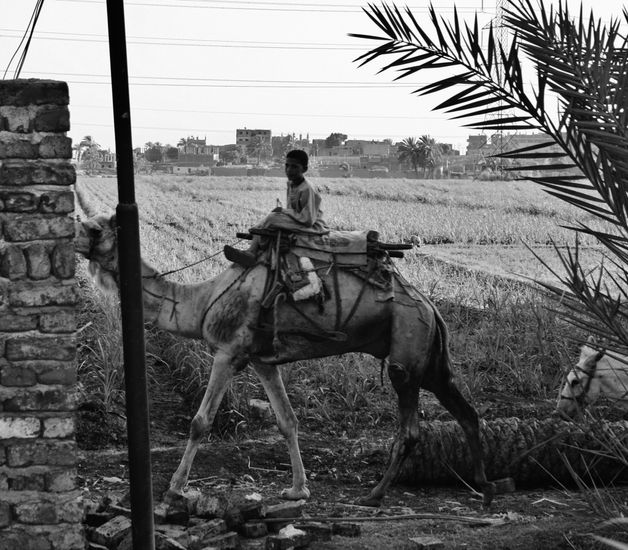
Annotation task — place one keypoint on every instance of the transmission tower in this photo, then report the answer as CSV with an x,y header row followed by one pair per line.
x,y
498,142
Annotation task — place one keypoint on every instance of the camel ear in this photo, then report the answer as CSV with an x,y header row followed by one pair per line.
x,y
102,279
591,341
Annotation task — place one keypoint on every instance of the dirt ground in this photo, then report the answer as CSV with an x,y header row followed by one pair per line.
x,y
545,518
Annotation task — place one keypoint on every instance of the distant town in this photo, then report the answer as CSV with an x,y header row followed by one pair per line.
x,y
258,152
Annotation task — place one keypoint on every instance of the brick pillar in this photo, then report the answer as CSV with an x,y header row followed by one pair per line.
x,y
39,500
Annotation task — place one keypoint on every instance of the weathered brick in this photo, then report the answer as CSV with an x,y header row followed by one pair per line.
x,y
36,512
60,481
11,375
58,322
112,532
28,172
52,118
17,146
17,119
37,261
52,453
53,372
13,263
5,285
18,538
5,515
38,398
32,347
28,481
19,202
70,508
19,427
64,260
59,427
33,92
69,537
31,294
56,202
19,227
17,323
55,146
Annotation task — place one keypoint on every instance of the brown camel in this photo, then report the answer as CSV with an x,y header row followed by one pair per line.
x,y
401,326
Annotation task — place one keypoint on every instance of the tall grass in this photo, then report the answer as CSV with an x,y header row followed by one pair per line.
x,y
503,338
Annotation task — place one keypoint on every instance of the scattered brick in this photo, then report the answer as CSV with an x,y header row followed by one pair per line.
x,y
427,543
253,529
505,485
316,530
287,538
208,506
111,533
228,541
347,529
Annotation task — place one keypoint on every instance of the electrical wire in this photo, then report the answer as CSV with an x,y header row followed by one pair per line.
x,y
28,35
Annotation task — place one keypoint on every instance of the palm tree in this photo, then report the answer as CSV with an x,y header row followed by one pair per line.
x,y
88,154
584,63
410,150
432,154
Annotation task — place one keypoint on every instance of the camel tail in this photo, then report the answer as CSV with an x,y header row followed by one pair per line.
x,y
440,359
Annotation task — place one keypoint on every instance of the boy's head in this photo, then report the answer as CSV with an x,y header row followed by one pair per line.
x,y
296,164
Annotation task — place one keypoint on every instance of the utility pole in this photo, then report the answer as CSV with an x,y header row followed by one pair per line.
x,y
131,292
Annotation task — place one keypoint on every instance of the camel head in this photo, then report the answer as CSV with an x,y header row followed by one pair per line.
x,y
96,240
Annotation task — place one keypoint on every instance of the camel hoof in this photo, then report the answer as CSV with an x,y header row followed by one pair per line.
x,y
372,502
295,494
171,496
488,492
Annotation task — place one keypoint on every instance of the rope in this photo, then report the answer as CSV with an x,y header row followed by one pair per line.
x,y
157,275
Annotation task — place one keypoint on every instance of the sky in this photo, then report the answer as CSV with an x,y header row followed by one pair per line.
x,y
203,68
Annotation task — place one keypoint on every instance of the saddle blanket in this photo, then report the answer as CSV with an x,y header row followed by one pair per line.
x,y
348,247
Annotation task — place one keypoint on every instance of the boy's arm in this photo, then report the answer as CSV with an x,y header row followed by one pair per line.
x,y
311,201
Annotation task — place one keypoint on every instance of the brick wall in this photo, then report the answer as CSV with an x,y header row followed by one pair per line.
x,y
39,501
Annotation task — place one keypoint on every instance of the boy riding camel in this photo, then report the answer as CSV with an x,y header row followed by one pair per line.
x,y
302,213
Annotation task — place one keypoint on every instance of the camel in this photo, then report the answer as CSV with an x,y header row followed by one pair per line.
x,y
402,328
596,373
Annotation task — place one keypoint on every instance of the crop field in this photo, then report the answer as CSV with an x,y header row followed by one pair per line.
x,y
510,346
473,262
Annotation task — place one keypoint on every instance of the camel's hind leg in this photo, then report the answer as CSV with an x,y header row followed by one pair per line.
x,y
288,425
407,387
451,398
221,374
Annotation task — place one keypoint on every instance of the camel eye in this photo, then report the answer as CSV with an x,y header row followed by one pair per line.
x,y
575,382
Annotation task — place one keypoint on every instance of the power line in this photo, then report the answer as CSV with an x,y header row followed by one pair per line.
x,y
28,35
165,41
250,113
266,6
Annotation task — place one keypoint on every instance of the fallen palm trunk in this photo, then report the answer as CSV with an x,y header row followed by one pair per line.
x,y
533,452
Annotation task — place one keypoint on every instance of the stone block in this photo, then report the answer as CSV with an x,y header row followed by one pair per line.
x,y
288,537
17,146
209,506
60,481
347,529
52,118
202,532
111,533
16,172
35,512
5,515
38,398
13,263
24,92
55,146
316,530
68,537
24,228
18,323
254,529
58,322
289,509
19,427
56,202
233,518
54,372
228,541
63,261
70,508
37,261
11,375
427,543
58,427
17,119
61,348
253,510
28,481
19,201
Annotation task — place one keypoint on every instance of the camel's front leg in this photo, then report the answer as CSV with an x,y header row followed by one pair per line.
x,y
288,426
221,374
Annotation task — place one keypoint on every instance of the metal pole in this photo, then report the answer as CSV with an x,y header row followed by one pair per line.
x,y
131,291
